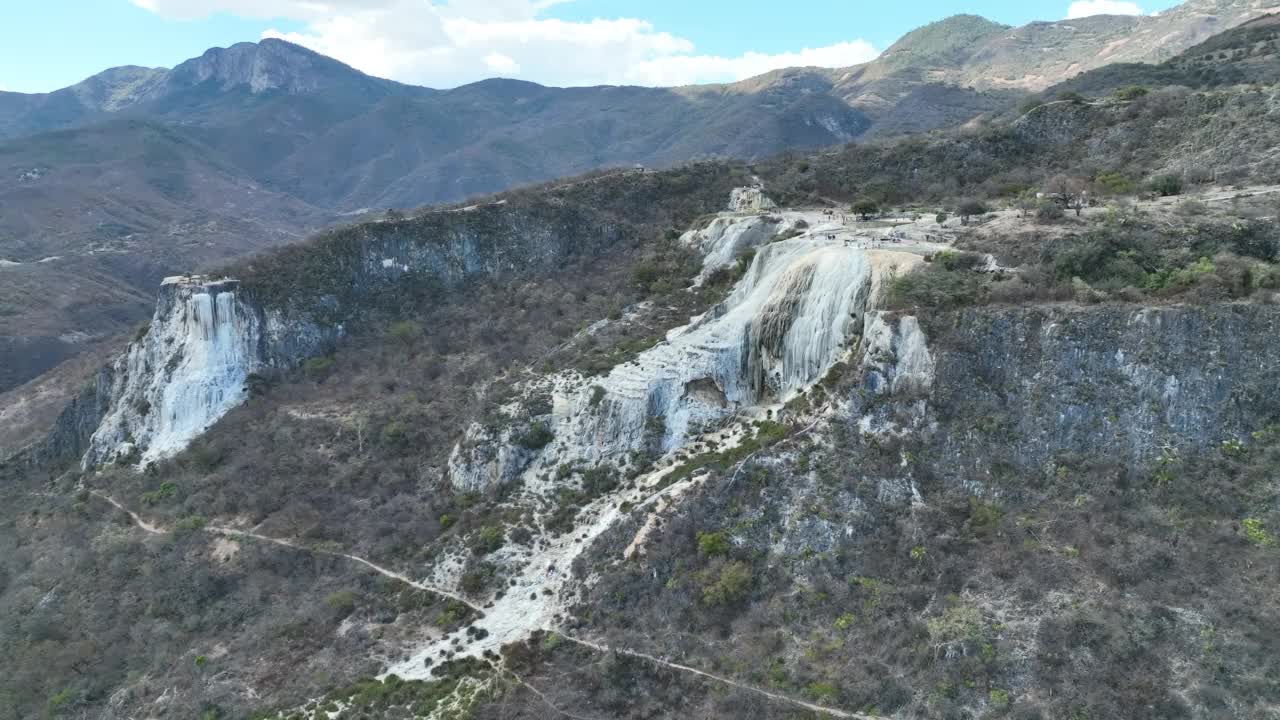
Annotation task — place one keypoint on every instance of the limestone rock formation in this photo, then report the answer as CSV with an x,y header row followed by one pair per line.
x,y
749,199
186,372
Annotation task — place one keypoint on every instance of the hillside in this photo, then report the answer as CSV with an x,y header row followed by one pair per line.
x,y
996,63
137,173
611,446
94,218
1242,55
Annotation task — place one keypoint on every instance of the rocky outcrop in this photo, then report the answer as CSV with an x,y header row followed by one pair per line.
x,y
785,323
188,369
749,199
487,458
724,239
895,355
1019,389
208,335
800,306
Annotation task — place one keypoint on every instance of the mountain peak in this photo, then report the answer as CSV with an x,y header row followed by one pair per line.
x,y
116,88
945,42
269,65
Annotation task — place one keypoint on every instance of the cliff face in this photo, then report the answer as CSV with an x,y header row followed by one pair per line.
x,y
799,305
189,369
1016,389
1001,498
208,335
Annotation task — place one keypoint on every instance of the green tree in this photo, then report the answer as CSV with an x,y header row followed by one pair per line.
x,y
1166,185
729,585
1132,92
713,543
1025,202
970,207
866,207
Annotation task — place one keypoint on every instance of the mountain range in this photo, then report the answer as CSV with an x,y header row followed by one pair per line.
x,y
137,173
679,443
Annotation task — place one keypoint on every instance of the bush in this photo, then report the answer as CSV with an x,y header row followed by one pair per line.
x,y
537,437
957,261
1115,183
475,580
164,492
1166,185
317,367
646,275
1132,92
713,544
1256,533
1049,212
935,286
599,480
969,208
190,524
984,517
342,602
597,395
959,623
257,384
394,434
487,540
728,586
405,332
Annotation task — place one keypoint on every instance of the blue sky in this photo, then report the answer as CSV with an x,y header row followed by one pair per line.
x,y
722,27
51,44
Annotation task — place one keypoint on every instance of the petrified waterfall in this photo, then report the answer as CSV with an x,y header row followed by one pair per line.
x,y
185,373
784,324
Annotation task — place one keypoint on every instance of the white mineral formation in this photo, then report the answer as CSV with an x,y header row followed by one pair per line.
x,y
749,199
725,239
185,373
898,351
784,324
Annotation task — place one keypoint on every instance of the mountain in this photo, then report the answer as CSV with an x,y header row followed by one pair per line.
x,y
1241,55
138,173
983,64
681,444
157,172
196,88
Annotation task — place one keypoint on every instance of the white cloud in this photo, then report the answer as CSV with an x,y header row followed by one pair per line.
x,y
501,64
689,69
444,44
1085,8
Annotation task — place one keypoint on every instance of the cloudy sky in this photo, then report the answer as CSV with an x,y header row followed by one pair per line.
x,y
444,43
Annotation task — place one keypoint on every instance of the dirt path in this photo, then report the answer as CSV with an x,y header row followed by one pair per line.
x,y
545,700
152,529
137,520
246,534
834,712
234,533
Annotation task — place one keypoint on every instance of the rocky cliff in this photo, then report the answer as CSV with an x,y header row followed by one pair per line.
x,y
190,368
208,335
802,300
1015,388
998,502
895,503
